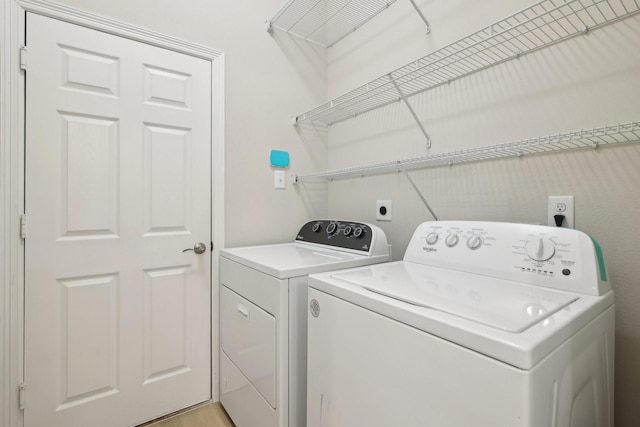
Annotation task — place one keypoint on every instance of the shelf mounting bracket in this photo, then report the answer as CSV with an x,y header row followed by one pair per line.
x,y
413,113
415,6
424,200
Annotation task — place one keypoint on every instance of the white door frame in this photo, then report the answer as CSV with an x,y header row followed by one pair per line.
x,y
12,99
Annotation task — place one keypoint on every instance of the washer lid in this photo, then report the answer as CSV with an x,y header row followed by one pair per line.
x,y
502,304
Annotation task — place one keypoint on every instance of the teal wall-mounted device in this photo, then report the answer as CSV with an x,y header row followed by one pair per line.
x,y
279,159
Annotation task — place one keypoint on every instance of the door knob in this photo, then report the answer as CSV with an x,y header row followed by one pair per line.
x,y
198,248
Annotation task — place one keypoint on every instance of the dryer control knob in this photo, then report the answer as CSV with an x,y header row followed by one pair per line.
x,y
332,228
540,249
316,228
348,230
358,232
474,241
432,238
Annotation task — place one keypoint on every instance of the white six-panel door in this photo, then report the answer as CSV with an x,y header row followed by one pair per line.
x,y
118,184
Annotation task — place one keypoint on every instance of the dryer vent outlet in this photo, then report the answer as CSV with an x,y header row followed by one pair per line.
x,y
383,210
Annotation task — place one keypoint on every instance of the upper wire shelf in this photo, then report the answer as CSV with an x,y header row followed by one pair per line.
x,y
538,26
326,22
591,138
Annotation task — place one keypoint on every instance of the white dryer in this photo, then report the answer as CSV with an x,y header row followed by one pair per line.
x,y
482,324
263,321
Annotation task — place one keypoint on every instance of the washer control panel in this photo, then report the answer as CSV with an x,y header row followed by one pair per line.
x,y
559,258
350,235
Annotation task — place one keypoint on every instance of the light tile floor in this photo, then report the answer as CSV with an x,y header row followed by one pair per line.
x,y
207,415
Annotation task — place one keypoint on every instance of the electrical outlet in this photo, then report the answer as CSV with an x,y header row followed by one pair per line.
x,y
560,205
383,210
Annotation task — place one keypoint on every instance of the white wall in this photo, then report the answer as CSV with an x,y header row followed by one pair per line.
x,y
590,81
268,78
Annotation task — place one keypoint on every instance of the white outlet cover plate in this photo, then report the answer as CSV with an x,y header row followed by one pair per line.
x,y
383,203
279,180
552,210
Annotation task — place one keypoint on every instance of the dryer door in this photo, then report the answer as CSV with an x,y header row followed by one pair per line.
x,y
248,338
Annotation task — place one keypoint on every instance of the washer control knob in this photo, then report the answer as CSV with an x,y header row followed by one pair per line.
x,y
451,240
432,238
540,248
474,241
316,228
358,232
348,230
331,228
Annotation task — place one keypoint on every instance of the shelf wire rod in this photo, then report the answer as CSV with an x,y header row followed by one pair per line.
x,y
303,15
547,11
281,12
550,31
503,49
548,20
518,39
295,14
417,190
597,7
443,70
413,113
328,18
446,72
497,41
610,8
516,44
416,82
524,34
486,52
569,21
467,65
447,61
431,75
515,37
338,18
481,50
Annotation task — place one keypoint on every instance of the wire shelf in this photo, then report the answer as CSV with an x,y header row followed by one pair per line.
x,y
326,22
592,138
541,25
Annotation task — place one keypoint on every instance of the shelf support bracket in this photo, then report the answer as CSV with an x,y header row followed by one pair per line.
x,y
413,113
415,6
424,200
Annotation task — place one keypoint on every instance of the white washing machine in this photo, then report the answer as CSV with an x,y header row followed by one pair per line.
x,y
482,324
263,321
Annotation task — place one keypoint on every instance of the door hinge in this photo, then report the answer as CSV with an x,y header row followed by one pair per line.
x,y
23,226
211,246
23,58
21,396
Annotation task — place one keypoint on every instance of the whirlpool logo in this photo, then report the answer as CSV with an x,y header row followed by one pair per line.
x,y
426,249
314,307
